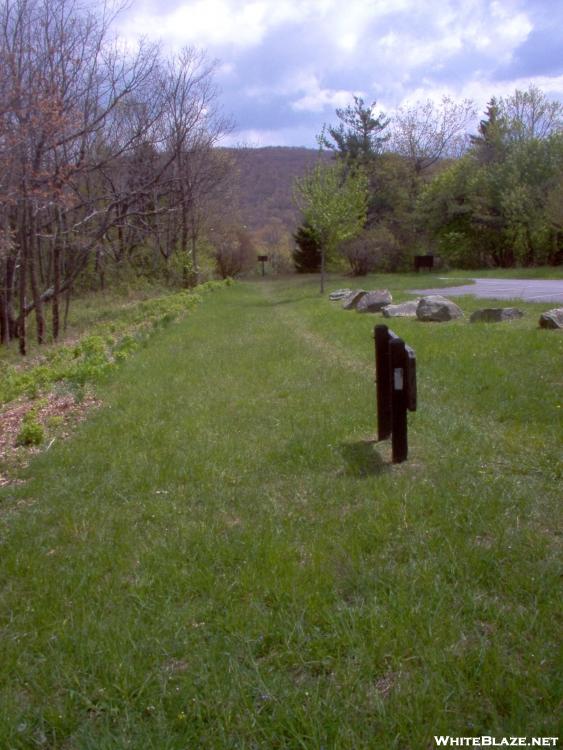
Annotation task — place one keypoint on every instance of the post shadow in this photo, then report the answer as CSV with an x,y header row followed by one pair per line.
x,y
363,459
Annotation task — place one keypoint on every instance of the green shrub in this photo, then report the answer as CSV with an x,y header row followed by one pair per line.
x,y
31,432
125,347
109,343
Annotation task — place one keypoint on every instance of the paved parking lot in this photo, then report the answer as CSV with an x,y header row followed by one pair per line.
x,y
525,289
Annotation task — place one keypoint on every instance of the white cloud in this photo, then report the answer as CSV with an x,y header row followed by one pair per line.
x,y
244,23
392,50
253,138
321,99
213,23
305,92
480,89
348,42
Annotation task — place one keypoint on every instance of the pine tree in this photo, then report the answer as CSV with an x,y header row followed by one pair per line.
x,y
307,252
490,143
359,136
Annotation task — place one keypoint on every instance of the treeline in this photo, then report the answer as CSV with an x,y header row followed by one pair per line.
x,y
502,203
106,158
264,177
492,198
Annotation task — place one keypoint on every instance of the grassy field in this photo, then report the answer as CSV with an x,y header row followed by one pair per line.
x,y
106,330
221,556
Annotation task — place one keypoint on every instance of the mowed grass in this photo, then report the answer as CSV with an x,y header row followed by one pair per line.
x,y
222,557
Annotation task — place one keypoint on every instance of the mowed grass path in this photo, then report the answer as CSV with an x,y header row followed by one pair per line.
x,y
221,557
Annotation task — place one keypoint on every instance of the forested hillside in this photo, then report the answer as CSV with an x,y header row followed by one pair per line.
x,y
265,178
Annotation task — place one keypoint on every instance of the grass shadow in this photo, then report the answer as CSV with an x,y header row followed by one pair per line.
x,y
267,303
363,459
277,302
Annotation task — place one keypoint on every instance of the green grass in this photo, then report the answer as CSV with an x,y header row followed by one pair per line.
x,y
116,328
222,558
114,307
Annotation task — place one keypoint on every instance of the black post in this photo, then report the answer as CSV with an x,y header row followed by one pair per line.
x,y
381,336
398,382
263,259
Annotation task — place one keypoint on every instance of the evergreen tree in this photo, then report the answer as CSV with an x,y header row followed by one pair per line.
x,y
307,252
490,143
359,136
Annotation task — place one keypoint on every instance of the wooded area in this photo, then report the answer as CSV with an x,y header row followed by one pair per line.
x,y
106,158
484,200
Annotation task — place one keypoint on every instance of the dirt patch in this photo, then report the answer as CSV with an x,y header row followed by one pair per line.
x,y
57,413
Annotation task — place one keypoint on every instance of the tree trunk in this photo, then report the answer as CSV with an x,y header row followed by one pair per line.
x,y
67,307
10,293
56,287
195,270
7,325
4,323
323,255
7,274
184,235
99,268
35,293
22,334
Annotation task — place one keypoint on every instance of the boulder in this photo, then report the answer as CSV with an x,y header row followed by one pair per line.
x,y
339,294
351,300
404,310
552,318
375,301
495,315
437,308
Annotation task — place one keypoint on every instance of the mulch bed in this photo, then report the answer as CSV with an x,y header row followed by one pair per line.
x,y
57,413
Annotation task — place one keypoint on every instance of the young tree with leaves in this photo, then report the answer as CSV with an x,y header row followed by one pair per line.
x,y
333,201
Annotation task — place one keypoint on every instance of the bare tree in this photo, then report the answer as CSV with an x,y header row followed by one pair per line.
x,y
234,251
104,152
426,132
530,114
62,81
192,127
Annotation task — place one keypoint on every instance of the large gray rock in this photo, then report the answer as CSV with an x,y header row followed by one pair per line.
x,y
351,300
339,294
435,308
404,310
375,301
552,318
495,315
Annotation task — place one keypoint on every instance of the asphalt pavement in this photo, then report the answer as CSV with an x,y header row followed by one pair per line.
x,y
529,290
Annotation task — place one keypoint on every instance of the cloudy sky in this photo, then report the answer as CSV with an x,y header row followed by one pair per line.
x,y
285,65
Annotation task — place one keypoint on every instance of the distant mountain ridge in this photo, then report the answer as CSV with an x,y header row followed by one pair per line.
x,y
265,178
